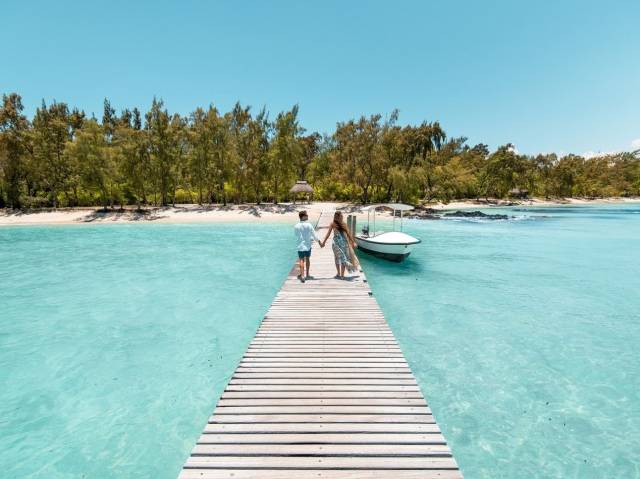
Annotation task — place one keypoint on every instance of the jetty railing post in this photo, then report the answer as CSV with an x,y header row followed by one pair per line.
x,y
351,224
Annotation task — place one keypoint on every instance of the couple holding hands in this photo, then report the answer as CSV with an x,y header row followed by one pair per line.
x,y
343,245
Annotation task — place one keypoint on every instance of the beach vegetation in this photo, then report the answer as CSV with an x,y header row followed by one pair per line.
x,y
61,157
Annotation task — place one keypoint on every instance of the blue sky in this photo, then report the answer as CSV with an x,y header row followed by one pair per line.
x,y
547,76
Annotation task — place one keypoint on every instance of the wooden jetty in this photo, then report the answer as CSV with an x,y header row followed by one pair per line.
x,y
323,391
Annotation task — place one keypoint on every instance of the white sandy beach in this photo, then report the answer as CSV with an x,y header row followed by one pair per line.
x,y
250,213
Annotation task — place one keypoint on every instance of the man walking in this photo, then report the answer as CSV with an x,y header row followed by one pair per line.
x,y
305,234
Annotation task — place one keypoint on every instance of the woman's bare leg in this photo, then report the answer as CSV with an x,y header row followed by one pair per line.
x,y
342,267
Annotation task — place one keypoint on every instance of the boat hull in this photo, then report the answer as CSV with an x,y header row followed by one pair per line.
x,y
395,257
391,251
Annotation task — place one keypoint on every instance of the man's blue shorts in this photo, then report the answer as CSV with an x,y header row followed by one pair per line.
x,y
304,254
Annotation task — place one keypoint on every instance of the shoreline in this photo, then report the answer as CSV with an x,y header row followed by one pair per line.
x,y
249,213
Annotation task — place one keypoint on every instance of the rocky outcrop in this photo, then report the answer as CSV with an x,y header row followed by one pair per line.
x,y
423,216
422,213
475,214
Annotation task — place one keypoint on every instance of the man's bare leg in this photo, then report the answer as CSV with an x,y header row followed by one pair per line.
x,y
308,266
301,266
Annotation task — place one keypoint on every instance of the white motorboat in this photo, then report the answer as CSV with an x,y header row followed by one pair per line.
x,y
390,245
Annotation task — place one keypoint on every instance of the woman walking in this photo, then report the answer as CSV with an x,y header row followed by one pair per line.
x,y
343,246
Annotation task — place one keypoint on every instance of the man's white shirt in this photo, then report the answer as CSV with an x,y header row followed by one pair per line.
x,y
305,234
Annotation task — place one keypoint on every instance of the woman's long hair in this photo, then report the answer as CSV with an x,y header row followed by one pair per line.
x,y
340,225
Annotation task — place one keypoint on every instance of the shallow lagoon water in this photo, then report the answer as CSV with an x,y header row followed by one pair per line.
x,y
115,341
524,337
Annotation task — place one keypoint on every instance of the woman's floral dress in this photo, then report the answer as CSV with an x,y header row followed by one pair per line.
x,y
340,248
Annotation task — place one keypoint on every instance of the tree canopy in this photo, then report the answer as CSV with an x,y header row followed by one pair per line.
x,y
62,158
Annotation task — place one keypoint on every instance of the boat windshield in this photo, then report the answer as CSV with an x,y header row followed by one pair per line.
x,y
368,232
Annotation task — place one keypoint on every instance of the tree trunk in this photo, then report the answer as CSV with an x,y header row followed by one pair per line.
x,y
223,195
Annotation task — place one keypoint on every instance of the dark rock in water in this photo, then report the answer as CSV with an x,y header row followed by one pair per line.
x,y
421,213
418,211
417,215
431,211
476,214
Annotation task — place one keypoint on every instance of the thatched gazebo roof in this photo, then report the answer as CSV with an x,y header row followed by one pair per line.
x,y
301,187
518,192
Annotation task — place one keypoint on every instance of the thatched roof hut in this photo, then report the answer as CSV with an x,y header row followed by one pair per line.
x,y
518,193
301,187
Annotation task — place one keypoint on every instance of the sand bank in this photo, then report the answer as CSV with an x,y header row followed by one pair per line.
x,y
266,213
466,204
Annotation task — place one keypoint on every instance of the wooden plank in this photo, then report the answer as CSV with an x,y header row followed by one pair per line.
x,y
321,375
323,391
324,367
330,351
326,388
338,450
321,395
309,418
326,333
319,401
315,410
320,474
317,428
310,462
322,438
394,380
250,356
320,361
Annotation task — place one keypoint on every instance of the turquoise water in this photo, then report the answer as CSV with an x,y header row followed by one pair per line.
x,y
524,336
115,341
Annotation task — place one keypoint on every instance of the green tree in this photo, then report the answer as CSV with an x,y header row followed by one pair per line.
x,y
223,154
258,161
133,159
503,171
14,130
160,144
285,152
52,130
565,175
90,152
309,148
201,157
179,148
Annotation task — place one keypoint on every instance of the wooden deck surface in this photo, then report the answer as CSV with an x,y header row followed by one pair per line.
x,y
323,391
